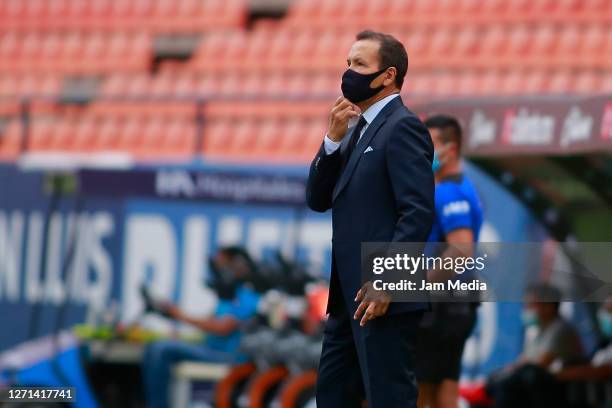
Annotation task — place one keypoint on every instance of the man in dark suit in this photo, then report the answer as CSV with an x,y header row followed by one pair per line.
x,y
376,177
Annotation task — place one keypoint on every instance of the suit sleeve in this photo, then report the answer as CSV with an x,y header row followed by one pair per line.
x,y
409,157
324,173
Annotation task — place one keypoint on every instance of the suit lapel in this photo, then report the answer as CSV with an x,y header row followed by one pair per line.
x,y
363,142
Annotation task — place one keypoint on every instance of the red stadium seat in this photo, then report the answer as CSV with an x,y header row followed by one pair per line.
x,y
180,139
535,82
586,82
129,134
293,134
605,83
41,135
267,136
107,136
568,46
10,140
561,82
216,137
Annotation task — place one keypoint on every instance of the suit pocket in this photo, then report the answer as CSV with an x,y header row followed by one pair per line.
x,y
372,154
374,157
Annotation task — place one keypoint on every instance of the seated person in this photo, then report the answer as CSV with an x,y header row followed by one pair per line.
x,y
551,342
237,303
600,367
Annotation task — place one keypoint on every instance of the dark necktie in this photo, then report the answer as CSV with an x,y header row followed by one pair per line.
x,y
354,139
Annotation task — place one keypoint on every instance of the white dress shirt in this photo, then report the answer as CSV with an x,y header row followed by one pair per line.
x,y
369,115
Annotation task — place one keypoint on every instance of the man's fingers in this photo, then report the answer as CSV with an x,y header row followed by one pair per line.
x,y
381,310
362,292
341,106
384,309
374,310
340,99
359,295
351,114
360,309
368,315
347,113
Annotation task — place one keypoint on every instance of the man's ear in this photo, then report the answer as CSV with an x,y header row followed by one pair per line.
x,y
390,75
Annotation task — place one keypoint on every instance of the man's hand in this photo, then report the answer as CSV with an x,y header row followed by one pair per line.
x,y
373,302
342,111
170,310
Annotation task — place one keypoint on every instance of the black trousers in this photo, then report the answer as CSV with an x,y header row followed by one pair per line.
x,y
375,362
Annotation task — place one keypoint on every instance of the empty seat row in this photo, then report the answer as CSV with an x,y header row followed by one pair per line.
x,y
74,52
543,45
210,110
150,110
515,45
149,15
141,138
294,140
318,12
285,86
163,139
30,84
178,84
123,94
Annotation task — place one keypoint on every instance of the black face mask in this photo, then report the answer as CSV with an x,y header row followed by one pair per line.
x,y
356,86
223,281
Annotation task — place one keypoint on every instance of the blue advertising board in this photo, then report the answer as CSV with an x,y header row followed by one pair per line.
x,y
159,226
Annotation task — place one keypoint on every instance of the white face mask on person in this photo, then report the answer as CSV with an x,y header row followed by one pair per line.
x,y
605,323
438,162
529,318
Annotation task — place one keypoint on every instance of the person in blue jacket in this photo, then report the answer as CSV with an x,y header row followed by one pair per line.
x,y
237,303
455,230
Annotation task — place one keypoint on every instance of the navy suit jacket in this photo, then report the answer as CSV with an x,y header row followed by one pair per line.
x,y
383,195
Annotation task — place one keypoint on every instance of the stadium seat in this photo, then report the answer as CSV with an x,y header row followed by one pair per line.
x,y
605,84
560,81
10,140
586,82
535,81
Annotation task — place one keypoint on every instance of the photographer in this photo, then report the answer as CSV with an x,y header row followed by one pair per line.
x,y
232,268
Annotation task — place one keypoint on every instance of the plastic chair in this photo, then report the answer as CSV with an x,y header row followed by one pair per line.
x,y
217,135
592,49
561,81
267,137
568,46
242,139
178,141
586,82
10,140
107,136
535,82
